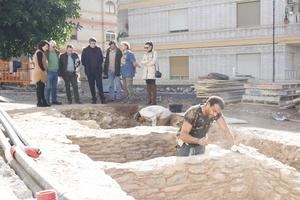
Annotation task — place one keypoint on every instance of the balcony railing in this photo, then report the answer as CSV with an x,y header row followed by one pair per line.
x,y
221,34
292,75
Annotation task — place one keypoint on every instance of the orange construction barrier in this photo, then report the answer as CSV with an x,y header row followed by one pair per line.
x,y
9,74
46,195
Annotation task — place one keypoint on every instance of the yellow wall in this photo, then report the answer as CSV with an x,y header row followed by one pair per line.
x,y
224,43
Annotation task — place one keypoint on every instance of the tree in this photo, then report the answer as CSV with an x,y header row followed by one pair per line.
x,y
23,23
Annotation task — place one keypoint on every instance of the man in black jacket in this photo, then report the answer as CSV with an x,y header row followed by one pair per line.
x,y
92,60
112,70
68,62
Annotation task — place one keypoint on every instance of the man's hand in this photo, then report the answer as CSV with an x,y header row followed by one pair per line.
x,y
203,141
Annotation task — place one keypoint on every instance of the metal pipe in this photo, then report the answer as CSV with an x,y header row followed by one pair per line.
x,y
34,177
44,180
31,184
18,133
10,131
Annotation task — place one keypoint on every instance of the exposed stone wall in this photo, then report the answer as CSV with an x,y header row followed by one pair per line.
x,y
124,145
119,116
144,143
283,146
219,174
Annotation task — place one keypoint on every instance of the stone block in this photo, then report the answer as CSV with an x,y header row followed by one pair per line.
x,y
196,169
219,177
177,179
197,178
155,181
238,188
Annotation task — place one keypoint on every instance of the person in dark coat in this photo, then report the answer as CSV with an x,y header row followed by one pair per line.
x,y
112,67
92,60
68,63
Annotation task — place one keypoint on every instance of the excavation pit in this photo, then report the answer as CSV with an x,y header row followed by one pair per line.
x,y
144,143
141,159
218,174
132,144
103,117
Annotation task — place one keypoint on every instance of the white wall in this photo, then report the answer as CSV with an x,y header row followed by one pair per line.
x,y
223,60
202,14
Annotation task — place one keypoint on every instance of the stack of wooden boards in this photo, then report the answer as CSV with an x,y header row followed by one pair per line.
x,y
284,95
230,90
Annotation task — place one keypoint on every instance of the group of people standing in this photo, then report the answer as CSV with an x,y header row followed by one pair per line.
x,y
122,62
49,65
119,63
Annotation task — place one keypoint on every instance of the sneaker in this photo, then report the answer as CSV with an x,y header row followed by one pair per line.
x,y
56,103
94,101
45,105
78,102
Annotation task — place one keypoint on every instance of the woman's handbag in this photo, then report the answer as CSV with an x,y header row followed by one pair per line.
x,y
157,72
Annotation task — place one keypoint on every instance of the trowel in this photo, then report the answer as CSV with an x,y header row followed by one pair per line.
x,y
281,117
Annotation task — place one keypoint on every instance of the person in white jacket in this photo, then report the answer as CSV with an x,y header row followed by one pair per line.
x,y
156,115
149,62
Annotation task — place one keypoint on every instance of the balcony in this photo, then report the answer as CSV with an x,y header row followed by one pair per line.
x,y
223,34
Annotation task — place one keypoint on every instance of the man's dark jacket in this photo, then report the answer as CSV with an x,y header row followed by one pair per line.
x,y
63,63
117,62
92,60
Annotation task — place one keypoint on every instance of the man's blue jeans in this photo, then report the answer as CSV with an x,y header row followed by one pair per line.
x,y
51,86
114,84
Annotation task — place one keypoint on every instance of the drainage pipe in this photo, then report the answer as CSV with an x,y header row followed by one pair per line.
x,y
15,140
34,177
17,132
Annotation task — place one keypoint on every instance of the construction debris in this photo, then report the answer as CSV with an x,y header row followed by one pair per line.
x,y
230,90
283,95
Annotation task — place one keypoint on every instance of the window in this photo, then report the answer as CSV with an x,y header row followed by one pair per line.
x,y
179,67
249,64
110,7
110,36
178,20
75,32
248,14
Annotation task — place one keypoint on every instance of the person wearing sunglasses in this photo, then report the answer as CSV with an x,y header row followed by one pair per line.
x,y
149,67
192,136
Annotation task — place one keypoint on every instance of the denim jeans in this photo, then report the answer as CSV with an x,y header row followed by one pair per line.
x,y
189,150
114,84
51,86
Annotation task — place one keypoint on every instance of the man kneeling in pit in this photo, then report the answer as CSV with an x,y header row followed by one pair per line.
x,y
156,115
192,138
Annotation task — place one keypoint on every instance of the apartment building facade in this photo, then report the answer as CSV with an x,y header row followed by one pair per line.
x,y
98,19
233,37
